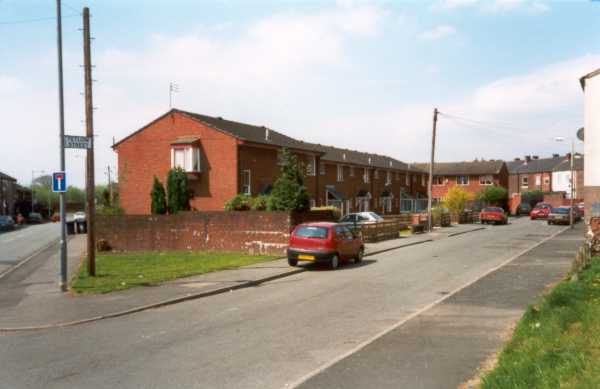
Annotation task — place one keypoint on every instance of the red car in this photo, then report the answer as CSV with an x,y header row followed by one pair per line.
x,y
493,215
327,242
540,211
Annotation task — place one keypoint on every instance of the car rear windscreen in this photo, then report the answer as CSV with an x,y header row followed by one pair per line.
x,y
311,232
560,210
493,209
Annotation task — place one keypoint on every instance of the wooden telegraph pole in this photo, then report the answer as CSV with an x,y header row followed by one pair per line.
x,y
430,183
89,131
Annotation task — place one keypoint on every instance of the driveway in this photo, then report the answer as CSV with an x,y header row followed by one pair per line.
x,y
271,336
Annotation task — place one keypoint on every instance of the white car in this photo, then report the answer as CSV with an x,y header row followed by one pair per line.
x,y
361,218
79,216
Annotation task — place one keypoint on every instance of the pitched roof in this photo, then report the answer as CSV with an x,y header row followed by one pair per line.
x,y
589,75
512,166
6,177
465,168
539,165
565,165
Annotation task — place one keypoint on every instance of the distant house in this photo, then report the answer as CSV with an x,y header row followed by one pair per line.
x,y
532,173
8,193
223,158
561,177
471,176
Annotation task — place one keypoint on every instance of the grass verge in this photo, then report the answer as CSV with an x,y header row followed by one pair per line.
x,y
118,271
556,344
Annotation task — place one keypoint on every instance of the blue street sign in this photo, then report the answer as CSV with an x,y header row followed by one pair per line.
x,y
59,182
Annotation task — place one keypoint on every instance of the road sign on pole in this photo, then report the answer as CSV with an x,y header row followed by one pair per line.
x,y
59,182
78,142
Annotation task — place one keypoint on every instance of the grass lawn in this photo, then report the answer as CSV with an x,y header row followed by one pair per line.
x,y
118,271
557,342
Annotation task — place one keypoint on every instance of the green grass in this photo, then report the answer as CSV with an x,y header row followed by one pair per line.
x,y
556,344
118,271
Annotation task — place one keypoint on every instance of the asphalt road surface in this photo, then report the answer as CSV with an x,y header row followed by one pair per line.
x,y
270,336
21,243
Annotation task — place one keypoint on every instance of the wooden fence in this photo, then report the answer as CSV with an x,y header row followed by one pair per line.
x,y
376,232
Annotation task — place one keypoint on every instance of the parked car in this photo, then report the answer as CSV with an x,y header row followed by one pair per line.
x,y
581,207
493,215
560,215
34,218
523,209
79,216
540,211
6,223
327,242
361,218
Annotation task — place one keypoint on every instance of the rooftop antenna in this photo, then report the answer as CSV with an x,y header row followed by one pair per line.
x,y
173,88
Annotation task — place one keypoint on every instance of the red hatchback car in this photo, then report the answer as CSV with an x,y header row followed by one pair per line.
x,y
493,215
331,243
540,211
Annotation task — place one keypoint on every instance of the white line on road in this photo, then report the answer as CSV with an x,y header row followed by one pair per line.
x,y
362,345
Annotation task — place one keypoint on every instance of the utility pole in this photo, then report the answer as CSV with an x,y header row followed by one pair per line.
x,y
61,110
430,183
110,189
572,183
89,131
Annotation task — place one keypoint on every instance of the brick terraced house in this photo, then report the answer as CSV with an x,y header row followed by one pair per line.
x,y
223,158
532,173
472,176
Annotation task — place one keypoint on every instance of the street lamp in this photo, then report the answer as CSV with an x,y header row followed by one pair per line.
x,y
572,184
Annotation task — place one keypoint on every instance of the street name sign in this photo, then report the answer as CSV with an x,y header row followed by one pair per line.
x,y
59,182
78,142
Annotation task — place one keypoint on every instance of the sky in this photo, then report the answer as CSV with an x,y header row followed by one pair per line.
x,y
363,75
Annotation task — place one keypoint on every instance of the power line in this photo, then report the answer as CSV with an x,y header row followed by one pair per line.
x,y
22,21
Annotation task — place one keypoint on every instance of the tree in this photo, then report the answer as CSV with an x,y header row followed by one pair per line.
x,y
159,202
178,198
456,198
493,195
289,192
532,197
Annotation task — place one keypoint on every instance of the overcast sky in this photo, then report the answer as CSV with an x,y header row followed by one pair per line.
x,y
362,75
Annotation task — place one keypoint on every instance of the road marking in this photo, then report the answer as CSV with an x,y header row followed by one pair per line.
x,y
418,312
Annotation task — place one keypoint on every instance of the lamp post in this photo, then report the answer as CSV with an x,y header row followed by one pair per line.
x,y
571,181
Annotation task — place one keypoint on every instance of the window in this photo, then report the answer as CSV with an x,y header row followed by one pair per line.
x,y
486,180
524,181
351,171
462,180
376,174
414,178
388,178
340,173
386,204
546,180
311,232
186,158
322,169
313,203
311,166
538,180
245,183
438,180
366,176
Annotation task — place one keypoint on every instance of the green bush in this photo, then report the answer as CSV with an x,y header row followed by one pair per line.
x,y
107,210
289,192
178,193
240,202
493,195
259,203
532,197
158,205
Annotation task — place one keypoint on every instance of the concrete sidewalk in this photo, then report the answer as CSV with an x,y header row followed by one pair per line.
x,y
30,298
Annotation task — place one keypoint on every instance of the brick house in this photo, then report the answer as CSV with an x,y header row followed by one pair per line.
x,y
471,176
532,173
8,193
223,158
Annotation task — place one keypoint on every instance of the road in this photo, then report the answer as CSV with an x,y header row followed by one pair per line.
x,y
21,243
270,336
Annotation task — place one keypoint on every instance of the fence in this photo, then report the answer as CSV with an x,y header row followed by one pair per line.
x,y
376,232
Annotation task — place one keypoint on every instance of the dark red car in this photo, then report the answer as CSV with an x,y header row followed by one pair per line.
x,y
493,215
540,211
331,243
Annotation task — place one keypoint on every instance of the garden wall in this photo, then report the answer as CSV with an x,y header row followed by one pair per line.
x,y
255,232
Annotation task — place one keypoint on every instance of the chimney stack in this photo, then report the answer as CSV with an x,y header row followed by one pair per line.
x,y
555,155
536,157
527,158
517,159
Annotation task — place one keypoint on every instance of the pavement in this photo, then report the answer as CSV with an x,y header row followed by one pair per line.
x,y
290,331
18,245
32,300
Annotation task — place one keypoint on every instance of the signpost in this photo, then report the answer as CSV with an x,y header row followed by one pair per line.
x,y
59,182
78,142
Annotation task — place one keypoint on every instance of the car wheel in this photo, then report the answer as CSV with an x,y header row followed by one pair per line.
x,y
549,222
292,261
360,255
334,262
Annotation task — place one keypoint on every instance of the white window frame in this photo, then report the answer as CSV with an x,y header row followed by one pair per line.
x,y
538,180
311,167
191,163
246,188
407,179
547,180
488,179
524,181
322,168
388,177
366,175
438,181
340,173
462,182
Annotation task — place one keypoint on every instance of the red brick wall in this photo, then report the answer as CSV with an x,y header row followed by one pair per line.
x,y
148,153
252,232
439,191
